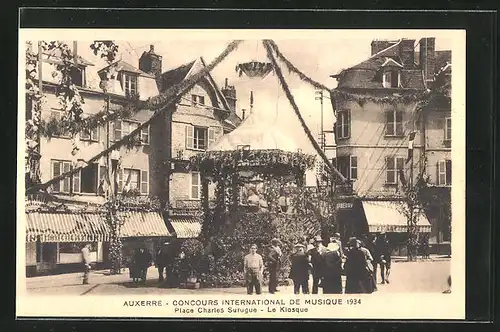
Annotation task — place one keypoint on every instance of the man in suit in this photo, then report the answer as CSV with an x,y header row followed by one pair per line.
x,y
273,265
299,272
317,263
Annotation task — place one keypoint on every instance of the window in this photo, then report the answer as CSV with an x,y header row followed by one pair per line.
x,y
197,100
88,179
123,128
58,114
394,123
347,166
128,179
59,167
353,174
195,185
130,83
444,172
447,129
391,79
144,182
393,165
343,124
77,75
199,138
90,135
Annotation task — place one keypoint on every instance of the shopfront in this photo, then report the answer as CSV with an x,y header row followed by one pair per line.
x,y
54,241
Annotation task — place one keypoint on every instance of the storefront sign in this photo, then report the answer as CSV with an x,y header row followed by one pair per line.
x,y
344,205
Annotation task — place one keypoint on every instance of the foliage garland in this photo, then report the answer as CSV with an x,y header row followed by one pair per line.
x,y
294,69
159,104
219,163
341,96
289,95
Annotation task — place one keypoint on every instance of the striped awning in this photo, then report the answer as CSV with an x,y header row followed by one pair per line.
x,y
66,227
186,227
142,224
385,216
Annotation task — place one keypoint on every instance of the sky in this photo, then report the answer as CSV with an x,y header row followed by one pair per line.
x,y
316,57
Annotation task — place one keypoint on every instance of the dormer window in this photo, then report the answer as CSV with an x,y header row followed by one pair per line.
x,y
392,78
78,76
129,83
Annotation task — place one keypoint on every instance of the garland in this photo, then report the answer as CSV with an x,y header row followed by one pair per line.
x,y
289,95
217,163
160,104
339,96
292,68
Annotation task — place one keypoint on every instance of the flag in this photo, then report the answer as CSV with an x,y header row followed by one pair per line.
x,y
410,145
126,186
402,177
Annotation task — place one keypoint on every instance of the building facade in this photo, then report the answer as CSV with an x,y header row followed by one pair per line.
x,y
153,167
378,110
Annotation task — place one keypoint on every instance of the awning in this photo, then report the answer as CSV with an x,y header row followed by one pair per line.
x,y
388,217
142,224
186,227
66,227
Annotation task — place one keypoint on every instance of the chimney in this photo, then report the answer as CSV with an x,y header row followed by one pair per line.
x,y
428,58
379,45
150,62
407,53
229,93
243,111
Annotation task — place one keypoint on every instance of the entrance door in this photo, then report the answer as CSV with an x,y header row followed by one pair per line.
x,y
47,256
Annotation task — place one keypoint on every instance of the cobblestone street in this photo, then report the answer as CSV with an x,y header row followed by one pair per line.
x,y
406,277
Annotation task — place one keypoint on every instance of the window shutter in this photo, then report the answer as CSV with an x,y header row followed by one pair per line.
x,y
117,130
347,124
56,171
144,182
145,135
399,123
448,172
189,136
76,182
211,137
353,167
120,180
441,172
389,161
389,123
66,180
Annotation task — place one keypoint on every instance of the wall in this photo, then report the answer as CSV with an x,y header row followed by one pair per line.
x,y
437,149
60,148
368,143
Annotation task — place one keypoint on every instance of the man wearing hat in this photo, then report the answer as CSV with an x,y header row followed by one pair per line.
x,y
332,271
273,265
383,257
336,239
317,262
299,272
163,261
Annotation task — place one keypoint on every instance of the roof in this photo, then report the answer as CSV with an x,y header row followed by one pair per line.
x,y
368,73
175,76
257,132
121,65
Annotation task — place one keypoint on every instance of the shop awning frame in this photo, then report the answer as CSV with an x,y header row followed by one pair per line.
x,y
386,216
66,227
143,224
186,227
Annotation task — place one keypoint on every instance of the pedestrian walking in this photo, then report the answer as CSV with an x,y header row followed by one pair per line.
x,y
163,262
253,268
299,271
142,262
86,263
368,248
273,265
336,239
358,276
383,257
331,280
317,263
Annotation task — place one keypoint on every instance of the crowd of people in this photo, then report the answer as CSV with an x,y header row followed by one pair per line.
x,y
326,264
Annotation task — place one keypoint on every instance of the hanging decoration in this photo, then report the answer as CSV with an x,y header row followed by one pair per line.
x,y
292,68
341,96
158,104
254,69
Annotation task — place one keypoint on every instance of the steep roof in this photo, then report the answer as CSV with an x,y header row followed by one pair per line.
x,y
175,75
368,73
121,65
